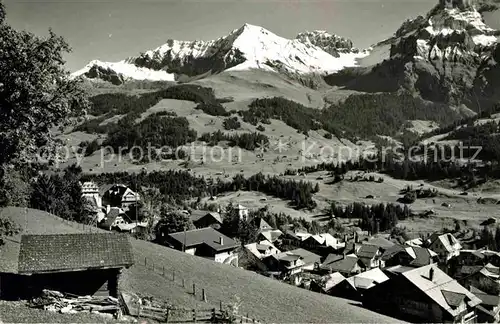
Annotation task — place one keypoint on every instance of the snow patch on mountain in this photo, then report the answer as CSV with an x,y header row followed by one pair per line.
x,y
124,71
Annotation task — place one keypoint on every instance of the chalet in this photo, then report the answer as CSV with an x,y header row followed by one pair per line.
x,y
121,196
80,264
424,294
324,240
355,286
262,249
262,225
292,262
471,258
445,245
414,256
202,219
485,278
347,265
325,284
294,238
207,243
114,217
270,235
253,254
489,309
371,256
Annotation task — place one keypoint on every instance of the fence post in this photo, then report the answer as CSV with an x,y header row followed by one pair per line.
x,y
167,314
163,270
183,283
173,275
213,314
204,297
220,305
194,288
145,261
153,266
194,315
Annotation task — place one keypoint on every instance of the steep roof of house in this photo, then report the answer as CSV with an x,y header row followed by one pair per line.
x,y
300,236
487,299
271,235
367,251
112,216
262,246
392,251
441,288
307,257
207,235
368,278
332,257
67,252
346,264
447,240
331,280
422,256
264,226
380,242
198,215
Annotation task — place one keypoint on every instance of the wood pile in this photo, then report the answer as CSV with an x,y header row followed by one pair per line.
x,y
56,301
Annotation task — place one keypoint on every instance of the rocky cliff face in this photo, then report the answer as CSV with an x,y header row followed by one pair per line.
x,y
332,44
447,56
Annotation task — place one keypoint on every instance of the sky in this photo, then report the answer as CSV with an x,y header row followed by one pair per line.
x,y
112,30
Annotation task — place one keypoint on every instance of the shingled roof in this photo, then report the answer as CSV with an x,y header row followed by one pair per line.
x,y
69,252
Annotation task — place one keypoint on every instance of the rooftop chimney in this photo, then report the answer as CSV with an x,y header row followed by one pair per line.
x,y
431,274
221,240
356,238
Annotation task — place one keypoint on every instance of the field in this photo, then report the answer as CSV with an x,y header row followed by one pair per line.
x,y
267,300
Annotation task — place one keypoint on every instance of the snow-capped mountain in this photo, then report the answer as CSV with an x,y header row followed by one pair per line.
x,y
450,55
249,47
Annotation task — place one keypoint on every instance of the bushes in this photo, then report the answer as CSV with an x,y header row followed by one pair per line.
x,y
213,109
261,128
231,123
89,147
328,136
247,141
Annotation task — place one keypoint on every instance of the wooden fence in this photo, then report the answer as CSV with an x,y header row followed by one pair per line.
x,y
191,287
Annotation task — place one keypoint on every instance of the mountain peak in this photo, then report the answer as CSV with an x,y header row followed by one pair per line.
x,y
248,47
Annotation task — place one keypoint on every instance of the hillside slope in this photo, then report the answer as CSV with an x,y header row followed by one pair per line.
x,y
265,299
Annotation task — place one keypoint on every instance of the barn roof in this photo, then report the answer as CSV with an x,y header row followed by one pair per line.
x,y
69,252
207,236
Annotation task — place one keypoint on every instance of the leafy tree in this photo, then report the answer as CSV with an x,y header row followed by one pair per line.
x,y
7,226
234,226
172,222
60,194
36,93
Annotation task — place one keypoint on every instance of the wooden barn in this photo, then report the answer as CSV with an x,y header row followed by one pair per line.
x,y
80,264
